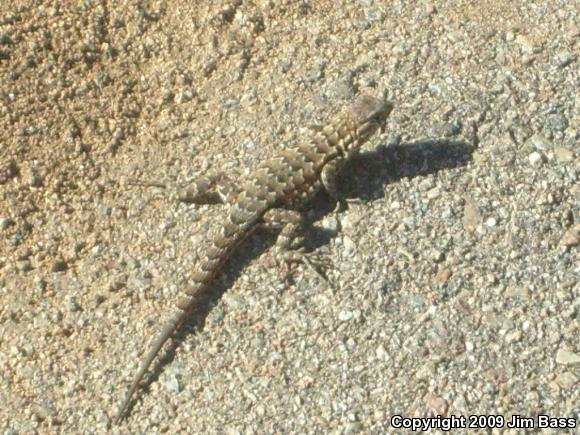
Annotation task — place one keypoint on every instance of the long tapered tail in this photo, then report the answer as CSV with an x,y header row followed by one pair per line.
x,y
170,326
217,252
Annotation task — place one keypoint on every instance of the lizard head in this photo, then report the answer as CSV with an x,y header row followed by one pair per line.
x,y
370,114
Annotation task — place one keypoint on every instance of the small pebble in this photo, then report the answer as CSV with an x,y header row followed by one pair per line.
x,y
566,357
539,142
535,159
563,154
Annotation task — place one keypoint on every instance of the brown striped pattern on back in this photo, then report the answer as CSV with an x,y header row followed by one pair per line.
x,y
281,182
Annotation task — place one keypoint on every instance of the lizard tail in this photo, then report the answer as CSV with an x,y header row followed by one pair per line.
x,y
205,272
171,325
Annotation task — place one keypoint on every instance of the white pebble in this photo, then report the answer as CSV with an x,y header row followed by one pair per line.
x,y
491,222
535,159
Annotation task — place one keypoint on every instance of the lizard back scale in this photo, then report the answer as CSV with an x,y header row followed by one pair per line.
x,y
267,198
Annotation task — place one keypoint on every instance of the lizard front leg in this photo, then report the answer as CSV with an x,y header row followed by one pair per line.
x,y
328,178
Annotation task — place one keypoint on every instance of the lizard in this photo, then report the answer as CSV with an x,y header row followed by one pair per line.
x,y
269,197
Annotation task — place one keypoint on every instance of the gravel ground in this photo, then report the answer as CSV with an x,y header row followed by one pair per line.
x,y
454,281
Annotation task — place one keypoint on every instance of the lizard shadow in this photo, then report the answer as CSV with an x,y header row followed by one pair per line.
x,y
373,170
369,172
387,165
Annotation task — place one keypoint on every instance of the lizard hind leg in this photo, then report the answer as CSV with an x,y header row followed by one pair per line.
x,y
289,244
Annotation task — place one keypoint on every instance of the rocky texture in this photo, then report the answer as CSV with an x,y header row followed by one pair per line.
x,y
455,276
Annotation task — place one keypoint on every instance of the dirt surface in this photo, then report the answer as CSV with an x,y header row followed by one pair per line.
x,y
454,280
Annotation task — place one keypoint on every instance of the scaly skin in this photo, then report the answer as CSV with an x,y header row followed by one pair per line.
x,y
274,188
